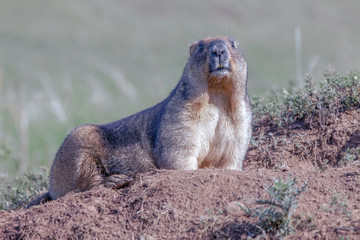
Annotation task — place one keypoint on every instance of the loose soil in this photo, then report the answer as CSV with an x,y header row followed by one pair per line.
x,y
200,204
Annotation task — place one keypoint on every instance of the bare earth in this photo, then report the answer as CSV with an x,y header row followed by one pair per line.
x,y
198,204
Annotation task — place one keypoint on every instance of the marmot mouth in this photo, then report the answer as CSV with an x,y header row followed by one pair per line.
x,y
218,75
220,72
221,69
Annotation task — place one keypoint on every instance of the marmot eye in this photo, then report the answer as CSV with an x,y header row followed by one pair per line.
x,y
201,47
234,44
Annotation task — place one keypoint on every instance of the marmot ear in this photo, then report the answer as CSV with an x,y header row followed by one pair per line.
x,y
192,47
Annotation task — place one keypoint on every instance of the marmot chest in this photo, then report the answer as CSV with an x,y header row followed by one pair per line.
x,y
217,136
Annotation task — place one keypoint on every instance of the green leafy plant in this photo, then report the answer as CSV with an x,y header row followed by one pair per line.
x,y
276,216
18,193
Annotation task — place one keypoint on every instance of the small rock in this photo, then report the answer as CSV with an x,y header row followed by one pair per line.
x,y
236,209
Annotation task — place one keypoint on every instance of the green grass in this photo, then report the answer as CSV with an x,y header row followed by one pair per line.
x,y
6,155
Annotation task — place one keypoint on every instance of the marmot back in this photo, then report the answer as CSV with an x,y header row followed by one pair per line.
x,y
204,122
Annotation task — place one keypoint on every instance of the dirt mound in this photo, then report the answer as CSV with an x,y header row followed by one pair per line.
x,y
299,146
199,204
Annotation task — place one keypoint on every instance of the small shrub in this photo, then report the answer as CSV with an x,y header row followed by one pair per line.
x,y
276,216
341,90
350,155
17,194
212,224
336,93
337,205
302,222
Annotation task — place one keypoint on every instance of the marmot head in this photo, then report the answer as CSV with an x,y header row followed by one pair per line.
x,y
219,61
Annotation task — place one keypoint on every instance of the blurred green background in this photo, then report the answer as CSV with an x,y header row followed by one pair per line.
x,y
65,63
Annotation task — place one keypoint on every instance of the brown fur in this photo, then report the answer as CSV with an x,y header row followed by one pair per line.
x,y
204,122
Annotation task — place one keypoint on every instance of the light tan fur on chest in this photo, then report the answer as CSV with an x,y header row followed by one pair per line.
x,y
215,129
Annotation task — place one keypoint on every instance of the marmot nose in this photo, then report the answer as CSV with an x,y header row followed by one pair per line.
x,y
219,56
218,49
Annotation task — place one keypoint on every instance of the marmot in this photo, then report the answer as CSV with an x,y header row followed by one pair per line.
x,y
204,122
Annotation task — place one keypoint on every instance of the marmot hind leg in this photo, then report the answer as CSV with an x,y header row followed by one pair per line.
x,y
93,173
117,181
78,165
